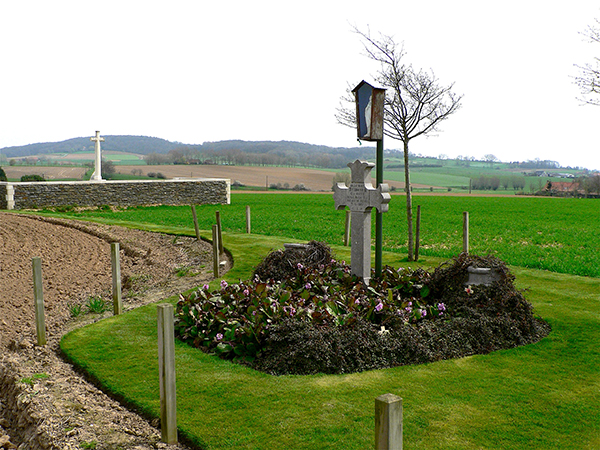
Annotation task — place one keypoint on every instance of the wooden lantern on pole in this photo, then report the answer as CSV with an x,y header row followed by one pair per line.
x,y
370,103
369,111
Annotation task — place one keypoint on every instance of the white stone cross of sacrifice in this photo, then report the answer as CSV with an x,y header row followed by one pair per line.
x,y
97,175
361,197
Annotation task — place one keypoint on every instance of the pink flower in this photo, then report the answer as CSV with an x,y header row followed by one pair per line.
x,y
300,266
219,336
206,287
468,290
379,307
223,284
246,292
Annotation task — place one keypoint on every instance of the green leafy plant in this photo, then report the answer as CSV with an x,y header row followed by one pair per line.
x,y
75,310
185,271
88,445
31,380
96,304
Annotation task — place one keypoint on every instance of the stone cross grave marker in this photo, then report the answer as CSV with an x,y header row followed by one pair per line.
x,y
97,175
361,197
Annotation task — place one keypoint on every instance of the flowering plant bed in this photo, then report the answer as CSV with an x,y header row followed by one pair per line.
x,y
303,312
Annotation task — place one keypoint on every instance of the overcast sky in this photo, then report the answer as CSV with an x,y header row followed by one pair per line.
x,y
197,71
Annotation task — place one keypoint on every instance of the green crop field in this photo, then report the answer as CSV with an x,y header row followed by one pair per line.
x,y
560,235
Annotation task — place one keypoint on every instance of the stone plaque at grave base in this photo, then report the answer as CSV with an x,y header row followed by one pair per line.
x,y
481,275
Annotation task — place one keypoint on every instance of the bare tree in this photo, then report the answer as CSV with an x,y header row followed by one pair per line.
x,y
589,78
415,104
490,159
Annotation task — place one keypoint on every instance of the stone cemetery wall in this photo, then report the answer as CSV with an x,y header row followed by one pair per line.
x,y
191,191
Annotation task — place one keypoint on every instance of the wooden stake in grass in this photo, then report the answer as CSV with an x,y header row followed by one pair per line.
x,y
347,229
219,233
466,232
38,298
195,217
166,367
388,422
248,219
418,233
116,278
215,243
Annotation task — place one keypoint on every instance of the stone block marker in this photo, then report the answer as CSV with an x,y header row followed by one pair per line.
x,y
166,368
388,422
481,275
361,197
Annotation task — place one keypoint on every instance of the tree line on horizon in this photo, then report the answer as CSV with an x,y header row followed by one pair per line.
x,y
266,153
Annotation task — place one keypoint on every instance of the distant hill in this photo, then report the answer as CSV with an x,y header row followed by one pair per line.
x,y
146,145
132,144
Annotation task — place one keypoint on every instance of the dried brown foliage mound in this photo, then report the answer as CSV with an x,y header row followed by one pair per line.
x,y
283,264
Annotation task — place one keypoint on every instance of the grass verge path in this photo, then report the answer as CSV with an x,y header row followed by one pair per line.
x,y
540,396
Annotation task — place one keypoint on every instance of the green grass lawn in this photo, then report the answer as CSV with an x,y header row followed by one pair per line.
x,y
542,396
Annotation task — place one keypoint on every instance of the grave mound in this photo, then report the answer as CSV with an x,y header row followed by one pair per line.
x,y
311,316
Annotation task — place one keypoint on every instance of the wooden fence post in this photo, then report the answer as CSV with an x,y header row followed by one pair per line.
x,y
38,298
116,278
466,232
215,241
347,229
418,233
219,233
166,368
196,227
388,422
248,219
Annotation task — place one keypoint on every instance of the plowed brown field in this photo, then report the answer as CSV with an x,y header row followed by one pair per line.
x,y
314,180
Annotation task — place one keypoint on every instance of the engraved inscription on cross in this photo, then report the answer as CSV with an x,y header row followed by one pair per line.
x,y
361,197
97,175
